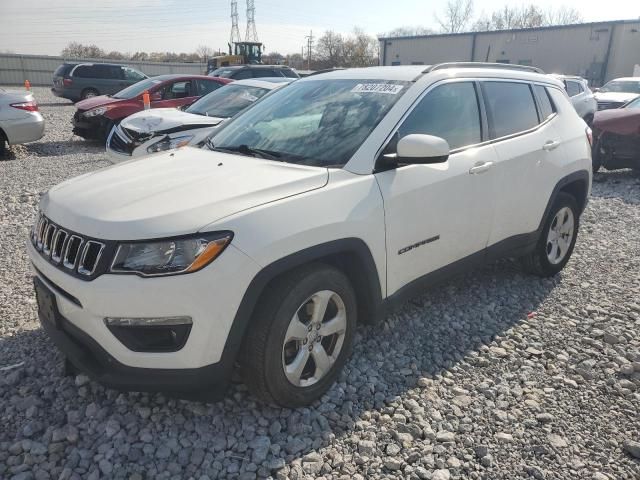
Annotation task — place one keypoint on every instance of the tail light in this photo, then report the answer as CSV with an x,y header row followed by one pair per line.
x,y
589,133
67,82
31,106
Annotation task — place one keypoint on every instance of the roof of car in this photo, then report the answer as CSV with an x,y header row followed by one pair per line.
x,y
175,76
626,79
257,66
270,83
562,76
413,72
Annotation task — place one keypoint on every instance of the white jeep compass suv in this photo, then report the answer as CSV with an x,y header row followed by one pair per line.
x,y
307,214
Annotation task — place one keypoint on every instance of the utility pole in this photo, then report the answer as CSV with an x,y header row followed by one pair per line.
x,y
309,47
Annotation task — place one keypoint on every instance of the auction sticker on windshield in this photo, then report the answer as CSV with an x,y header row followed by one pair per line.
x,y
387,88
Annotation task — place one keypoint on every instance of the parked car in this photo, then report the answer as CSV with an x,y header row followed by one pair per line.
x,y
95,117
79,81
316,209
616,137
616,93
243,72
20,120
582,98
160,129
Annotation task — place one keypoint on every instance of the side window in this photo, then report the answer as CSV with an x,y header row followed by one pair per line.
x,y
573,88
242,74
205,87
107,72
264,72
287,72
176,90
546,106
510,108
449,111
84,71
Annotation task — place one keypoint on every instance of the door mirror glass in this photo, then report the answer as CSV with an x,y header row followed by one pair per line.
x,y
422,149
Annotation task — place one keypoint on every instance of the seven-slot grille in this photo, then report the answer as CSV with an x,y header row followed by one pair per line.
x,y
65,249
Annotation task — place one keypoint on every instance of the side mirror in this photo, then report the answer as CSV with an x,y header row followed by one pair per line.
x,y
422,149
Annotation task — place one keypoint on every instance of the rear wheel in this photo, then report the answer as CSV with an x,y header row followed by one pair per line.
x,y
3,145
557,240
300,337
89,93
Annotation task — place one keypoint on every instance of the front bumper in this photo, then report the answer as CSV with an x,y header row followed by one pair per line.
x,y
89,357
94,128
211,298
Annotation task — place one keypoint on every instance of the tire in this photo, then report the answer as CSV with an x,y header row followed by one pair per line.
x,y
596,156
89,93
550,257
3,145
266,355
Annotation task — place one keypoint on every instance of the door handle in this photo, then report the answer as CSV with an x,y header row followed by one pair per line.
x,y
551,145
480,167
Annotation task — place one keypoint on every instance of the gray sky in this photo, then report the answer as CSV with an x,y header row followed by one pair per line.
x,y
46,26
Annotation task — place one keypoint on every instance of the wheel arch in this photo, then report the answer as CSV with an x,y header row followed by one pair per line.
x,y
575,184
352,256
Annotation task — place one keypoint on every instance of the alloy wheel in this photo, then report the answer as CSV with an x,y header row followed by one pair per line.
x,y
560,235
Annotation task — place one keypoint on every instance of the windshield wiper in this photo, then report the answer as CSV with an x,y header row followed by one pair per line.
x,y
250,151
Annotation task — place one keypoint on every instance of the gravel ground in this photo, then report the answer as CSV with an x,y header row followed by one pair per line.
x,y
495,375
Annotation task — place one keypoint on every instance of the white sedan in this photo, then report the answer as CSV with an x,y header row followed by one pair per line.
x,y
161,129
20,120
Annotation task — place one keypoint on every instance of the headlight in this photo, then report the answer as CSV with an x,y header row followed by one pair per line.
x,y
168,143
95,112
171,256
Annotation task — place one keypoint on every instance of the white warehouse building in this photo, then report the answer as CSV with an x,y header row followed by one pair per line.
x,y
596,51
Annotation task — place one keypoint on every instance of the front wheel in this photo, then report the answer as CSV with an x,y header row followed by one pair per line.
x,y
300,337
557,240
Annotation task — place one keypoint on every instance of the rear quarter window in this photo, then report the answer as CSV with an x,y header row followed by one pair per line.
x,y
63,70
547,108
510,107
84,71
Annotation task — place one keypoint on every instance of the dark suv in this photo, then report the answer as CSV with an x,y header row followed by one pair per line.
x,y
244,72
79,81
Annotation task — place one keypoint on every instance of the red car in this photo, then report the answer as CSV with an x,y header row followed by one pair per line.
x,y
96,116
616,137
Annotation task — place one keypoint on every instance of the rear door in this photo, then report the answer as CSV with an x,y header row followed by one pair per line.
x,y
578,96
523,125
438,214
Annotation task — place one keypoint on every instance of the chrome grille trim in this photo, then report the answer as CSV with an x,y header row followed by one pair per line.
x,y
58,244
82,270
65,262
48,239
74,253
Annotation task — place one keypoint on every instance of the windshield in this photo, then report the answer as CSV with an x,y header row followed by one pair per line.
x,y
137,88
622,86
320,123
227,101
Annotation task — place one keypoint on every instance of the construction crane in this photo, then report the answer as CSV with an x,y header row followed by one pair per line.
x,y
240,53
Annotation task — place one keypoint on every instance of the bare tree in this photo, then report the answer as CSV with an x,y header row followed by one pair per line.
x,y
408,31
204,52
330,50
457,15
78,50
563,16
360,50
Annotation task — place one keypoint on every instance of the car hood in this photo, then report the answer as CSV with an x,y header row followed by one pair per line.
x,y
614,96
172,193
623,121
161,120
94,102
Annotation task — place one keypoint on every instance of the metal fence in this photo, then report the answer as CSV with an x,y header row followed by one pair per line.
x,y
38,69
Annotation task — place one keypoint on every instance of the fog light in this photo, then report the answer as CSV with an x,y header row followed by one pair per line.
x,y
164,334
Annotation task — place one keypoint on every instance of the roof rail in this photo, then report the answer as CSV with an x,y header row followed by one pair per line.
x,y
504,66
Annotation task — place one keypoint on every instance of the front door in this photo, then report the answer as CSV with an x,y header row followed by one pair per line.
x,y
176,94
440,213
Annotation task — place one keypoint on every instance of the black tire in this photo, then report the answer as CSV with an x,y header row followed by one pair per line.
x,y
537,262
596,155
88,93
3,145
262,356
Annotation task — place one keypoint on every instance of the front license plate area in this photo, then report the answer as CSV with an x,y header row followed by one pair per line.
x,y
47,306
